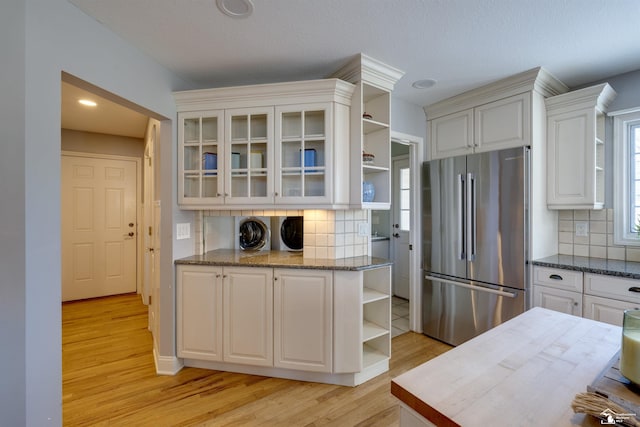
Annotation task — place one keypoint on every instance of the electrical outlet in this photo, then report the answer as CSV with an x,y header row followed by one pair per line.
x,y
183,231
582,228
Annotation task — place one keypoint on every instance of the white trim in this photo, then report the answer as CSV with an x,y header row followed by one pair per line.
x,y
139,178
621,155
167,365
416,154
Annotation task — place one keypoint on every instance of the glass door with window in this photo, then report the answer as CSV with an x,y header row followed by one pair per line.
x,y
401,226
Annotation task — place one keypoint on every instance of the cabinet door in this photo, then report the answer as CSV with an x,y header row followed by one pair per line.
x,y
199,312
248,315
200,158
249,156
303,324
503,124
452,135
303,154
557,300
606,310
571,160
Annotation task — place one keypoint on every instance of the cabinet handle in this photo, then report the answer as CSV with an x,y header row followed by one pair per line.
x,y
634,289
217,275
218,194
555,277
224,276
575,303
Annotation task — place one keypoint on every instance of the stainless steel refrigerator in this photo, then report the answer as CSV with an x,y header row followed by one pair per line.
x,y
475,240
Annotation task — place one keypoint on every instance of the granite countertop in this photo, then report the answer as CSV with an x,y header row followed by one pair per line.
x,y
275,259
609,267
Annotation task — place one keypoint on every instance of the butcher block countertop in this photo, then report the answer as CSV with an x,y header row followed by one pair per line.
x,y
281,259
525,372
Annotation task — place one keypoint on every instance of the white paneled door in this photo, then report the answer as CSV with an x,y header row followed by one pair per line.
x,y
98,227
400,241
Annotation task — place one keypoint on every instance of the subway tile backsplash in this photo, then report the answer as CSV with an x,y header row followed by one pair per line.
x,y
598,243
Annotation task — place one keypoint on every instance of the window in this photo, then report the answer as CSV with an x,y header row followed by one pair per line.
x,y
626,138
405,199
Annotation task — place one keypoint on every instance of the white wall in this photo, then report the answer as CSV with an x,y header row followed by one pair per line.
x,y
40,39
12,221
408,118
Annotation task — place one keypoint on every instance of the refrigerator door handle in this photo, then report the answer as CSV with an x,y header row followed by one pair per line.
x,y
461,219
470,286
472,220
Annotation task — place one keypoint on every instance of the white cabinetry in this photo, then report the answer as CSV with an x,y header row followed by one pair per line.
x,y
370,128
303,319
558,289
363,309
496,125
606,297
248,315
284,143
576,139
199,329
308,324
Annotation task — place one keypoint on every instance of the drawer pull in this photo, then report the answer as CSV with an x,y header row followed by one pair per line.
x,y
555,277
634,289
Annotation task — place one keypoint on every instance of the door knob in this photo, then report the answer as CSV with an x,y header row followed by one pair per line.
x,y
131,224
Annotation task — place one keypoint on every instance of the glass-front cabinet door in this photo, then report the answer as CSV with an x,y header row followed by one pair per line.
x,y
249,156
200,157
303,153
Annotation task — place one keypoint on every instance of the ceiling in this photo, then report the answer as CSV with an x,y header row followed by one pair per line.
x,y
460,43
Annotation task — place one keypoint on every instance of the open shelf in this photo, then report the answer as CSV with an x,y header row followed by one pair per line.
x,y
371,331
371,295
372,356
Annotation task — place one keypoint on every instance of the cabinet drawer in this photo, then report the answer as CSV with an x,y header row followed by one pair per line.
x,y
558,278
612,287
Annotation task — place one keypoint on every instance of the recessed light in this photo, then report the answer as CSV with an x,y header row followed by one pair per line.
x,y
87,102
424,84
235,8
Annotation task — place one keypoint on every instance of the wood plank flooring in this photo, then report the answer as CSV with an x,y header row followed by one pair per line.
x,y
109,379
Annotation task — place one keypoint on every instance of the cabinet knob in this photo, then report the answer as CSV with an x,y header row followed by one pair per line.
x,y
218,194
275,278
276,194
217,275
224,276
575,303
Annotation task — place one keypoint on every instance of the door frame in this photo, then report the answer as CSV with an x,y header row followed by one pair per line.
x,y
416,154
139,242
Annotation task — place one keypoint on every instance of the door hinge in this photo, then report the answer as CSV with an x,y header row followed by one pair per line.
x,y
150,231
410,247
150,296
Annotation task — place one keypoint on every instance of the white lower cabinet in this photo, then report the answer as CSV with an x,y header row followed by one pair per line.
x,y
303,322
248,315
329,326
200,327
606,297
593,296
557,300
558,290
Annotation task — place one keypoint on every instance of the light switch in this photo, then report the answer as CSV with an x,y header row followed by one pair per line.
x,y
363,229
582,228
183,231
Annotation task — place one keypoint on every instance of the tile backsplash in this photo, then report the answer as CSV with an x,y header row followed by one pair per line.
x,y
327,234
598,243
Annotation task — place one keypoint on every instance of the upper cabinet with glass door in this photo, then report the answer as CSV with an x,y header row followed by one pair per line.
x,y
304,137
284,144
201,152
249,142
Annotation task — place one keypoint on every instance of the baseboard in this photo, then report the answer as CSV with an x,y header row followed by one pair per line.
x,y
167,365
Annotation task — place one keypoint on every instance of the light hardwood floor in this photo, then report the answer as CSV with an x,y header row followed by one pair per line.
x,y
109,379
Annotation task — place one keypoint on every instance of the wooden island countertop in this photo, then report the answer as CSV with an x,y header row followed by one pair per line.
x,y
525,372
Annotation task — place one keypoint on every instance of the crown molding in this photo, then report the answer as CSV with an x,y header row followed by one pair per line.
x,y
369,70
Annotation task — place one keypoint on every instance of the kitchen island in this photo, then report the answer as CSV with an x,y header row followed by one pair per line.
x,y
279,314
524,372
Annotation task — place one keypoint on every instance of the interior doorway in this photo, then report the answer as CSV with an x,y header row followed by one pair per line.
x,y
405,227
99,225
